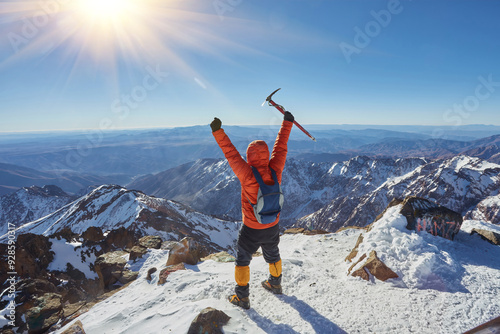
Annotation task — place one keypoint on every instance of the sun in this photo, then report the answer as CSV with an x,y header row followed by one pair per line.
x,y
106,11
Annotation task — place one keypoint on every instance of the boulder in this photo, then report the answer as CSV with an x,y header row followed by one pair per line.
x,y
110,267
490,236
424,215
76,328
150,241
209,320
45,312
35,287
137,252
295,230
374,266
301,230
33,255
220,257
168,270
66,233
120,238
93,234
354,251
186,251
151,271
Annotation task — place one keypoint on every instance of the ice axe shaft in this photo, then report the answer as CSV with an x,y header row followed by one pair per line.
x,y
282,110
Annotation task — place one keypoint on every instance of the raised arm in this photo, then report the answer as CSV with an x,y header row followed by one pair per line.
x,y
237,163
280,148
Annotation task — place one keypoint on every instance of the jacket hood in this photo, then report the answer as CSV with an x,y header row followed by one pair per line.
x,y
258,153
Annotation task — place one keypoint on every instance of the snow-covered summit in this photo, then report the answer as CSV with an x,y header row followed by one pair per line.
x,y
319,297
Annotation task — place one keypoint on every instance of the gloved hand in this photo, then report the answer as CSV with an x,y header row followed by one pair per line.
x,y
216,124
288,116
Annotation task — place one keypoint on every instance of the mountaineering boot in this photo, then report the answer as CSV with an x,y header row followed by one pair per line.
x,y
273,284
276,289
241,302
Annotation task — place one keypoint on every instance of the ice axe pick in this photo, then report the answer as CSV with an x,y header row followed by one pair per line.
x,y
270,101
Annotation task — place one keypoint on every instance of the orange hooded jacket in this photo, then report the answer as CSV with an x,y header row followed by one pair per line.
x,y
258,157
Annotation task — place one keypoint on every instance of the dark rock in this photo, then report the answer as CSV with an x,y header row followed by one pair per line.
x,y
295,230
66,233
151,272
423,215
220,257
73,295
210,321
150,241
137,252
110,267
33,255
45,312
76,328
374,266
120,238
93,234
128,276
354,251
168,270
188,251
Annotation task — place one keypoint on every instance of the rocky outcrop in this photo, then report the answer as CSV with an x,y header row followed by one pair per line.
x,y
45,312
186,251
374,266
150,241
33,255
110,268
76,328
301,230
490,236
209,320
168,270
93,234
424,215
220,257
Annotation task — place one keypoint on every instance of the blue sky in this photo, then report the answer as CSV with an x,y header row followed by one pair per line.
x,y
180,63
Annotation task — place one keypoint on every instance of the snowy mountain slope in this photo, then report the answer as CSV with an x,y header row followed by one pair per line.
x,y
318,295
459,184
211,187
488,210
28,204
110,207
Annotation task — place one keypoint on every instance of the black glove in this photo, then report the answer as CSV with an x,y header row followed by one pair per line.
x,y
216,124
288,116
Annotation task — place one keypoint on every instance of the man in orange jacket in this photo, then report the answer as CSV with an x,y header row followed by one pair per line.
x,y
254,234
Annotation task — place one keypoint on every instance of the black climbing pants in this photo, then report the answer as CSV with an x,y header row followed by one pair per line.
x,y
249,241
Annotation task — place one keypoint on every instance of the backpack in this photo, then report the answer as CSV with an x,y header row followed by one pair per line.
x,y
269,199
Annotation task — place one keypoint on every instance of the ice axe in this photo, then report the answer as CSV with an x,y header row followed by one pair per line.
x,y
282,110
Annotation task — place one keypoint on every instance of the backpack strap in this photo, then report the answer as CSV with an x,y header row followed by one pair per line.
x,y
260,181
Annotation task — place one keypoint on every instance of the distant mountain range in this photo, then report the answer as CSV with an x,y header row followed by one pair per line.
x,y
332,195
14,177
138,152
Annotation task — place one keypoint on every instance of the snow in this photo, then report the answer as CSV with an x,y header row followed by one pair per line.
x,y
71,252
444,287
